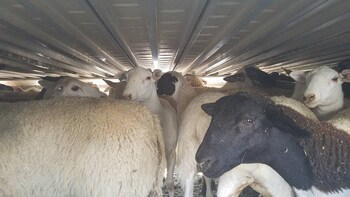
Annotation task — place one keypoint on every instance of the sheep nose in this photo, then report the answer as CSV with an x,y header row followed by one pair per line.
x,y
204,166
127,96
309,98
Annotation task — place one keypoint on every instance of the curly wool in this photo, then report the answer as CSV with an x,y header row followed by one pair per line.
x,y
328,150
80,147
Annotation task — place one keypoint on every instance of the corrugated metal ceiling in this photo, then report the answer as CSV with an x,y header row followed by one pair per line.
x,y
99,38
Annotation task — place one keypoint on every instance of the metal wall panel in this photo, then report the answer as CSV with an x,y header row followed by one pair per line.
x,y
100,38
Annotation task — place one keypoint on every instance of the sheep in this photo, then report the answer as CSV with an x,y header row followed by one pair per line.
x,y
11,96
261,177
195,81
67,86
80,147
117,89
250,128
191,132
4,87
141,87
323,92
174,84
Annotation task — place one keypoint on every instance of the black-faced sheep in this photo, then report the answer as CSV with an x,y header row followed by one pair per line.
x,y
250,128
80,147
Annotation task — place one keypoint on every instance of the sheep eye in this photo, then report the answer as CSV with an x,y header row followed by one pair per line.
x,y
148,78
335,79
75,88
248,121
59,88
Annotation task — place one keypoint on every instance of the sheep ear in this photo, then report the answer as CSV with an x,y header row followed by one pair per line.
x,y
157,73
121,76
46,84
110,83
204,81
298,76
208,108
287,71
345,75
235,78
283,122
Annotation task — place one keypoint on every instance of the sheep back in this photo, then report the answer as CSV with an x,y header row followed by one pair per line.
x,y
80,147
193,126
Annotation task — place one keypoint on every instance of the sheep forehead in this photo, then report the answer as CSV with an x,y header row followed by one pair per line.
x,y
138,73
323,72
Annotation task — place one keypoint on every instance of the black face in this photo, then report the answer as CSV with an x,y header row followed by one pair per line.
x,y
239,132
166,84
259,77
233,134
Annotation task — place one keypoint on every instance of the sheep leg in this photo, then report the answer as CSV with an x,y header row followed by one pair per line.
x,y
209,192
233,182
171,160
188,190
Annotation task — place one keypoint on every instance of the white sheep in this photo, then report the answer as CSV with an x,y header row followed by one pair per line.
x,y
11,96
323,91
141,87
68,86
195,81
80,147
192,129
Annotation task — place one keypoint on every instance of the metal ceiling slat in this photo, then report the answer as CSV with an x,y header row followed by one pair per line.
x,y
229,31
274,27
205,13
19,23
20,65
251,57
277,50
47,9
111,26
284,22
150,7
192,27
328,44
53,63
25,43
339,50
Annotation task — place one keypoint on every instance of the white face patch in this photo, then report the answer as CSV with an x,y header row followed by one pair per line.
x,y
140,84
68,86
322,83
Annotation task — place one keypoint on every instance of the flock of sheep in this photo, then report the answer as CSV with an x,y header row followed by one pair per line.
x,y
53,144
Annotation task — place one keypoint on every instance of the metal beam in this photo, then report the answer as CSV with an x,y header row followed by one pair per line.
x,y
50,13
287,36
52,62
150,7
26,43
205,13
229,31
113,32
16,22
194,26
